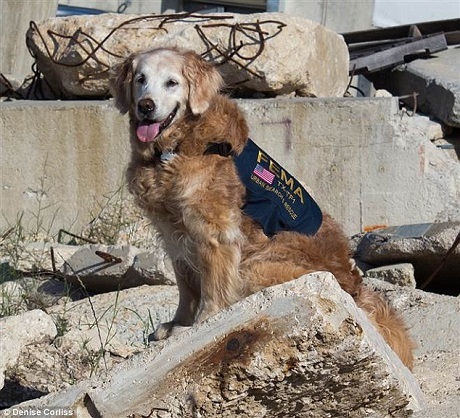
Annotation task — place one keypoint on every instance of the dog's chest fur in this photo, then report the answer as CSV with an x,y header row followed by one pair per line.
x,y
189,199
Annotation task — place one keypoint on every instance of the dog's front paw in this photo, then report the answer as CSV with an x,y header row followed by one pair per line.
x,y
162,332
166,330
207,310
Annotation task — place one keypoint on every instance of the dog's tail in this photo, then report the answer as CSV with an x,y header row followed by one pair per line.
x,y
389,324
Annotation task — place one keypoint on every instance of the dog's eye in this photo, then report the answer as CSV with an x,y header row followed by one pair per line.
x,y
140,79
172,83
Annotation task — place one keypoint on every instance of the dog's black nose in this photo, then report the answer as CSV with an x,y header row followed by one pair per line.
x,y
146,106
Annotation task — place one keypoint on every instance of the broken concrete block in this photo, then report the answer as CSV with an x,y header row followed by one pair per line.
x,y
299,349
154,268
131,314
436,81
422,245
20,330
117,267
94,338
255,52
433,323
400,274
102,273
431,318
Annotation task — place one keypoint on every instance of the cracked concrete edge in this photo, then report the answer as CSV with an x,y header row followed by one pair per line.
x,y
110,396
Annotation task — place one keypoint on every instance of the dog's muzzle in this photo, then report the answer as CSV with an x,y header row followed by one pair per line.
x,y
148,130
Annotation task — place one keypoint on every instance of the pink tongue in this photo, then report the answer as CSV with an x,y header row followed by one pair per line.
x,y
147,133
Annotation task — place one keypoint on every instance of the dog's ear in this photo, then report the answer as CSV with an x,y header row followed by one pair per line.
x,y
204,82
121,82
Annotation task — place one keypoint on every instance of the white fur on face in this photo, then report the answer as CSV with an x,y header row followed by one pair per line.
x,y
158,76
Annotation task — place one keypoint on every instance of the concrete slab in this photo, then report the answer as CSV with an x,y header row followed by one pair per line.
x,y
15,18
401,274
437,81
60,162
277,350
102,268
106,272
433,323
365,163
425,246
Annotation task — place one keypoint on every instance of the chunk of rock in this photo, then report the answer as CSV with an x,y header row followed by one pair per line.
x,y
401,274
433,321
130,314
423,245
299,349
154,268
93,339
20,330
435,80
101,268
269,52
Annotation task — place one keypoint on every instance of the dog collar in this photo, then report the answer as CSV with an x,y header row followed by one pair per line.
x,y
224,149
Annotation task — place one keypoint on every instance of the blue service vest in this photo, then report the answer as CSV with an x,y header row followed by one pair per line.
x,y
274,198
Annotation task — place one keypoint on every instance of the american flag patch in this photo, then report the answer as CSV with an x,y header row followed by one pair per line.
x,y
264,174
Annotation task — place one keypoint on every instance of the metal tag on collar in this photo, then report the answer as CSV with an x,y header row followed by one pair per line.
x,y
167,156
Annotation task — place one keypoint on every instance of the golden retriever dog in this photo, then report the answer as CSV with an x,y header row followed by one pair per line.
x,y
194,195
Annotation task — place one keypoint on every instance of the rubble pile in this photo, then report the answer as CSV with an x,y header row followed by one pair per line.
x,y
76,320
104,338
256,53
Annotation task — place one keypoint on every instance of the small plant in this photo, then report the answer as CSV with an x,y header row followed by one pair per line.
x,y
109,325
11,300
62,325
92,357
148,326
110,220
119,220
42,226
19,294
12,245
38,228
24,253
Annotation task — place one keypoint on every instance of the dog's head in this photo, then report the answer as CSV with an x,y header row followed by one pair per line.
x,y
159,87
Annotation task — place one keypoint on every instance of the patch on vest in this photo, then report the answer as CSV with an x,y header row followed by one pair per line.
x,y
274,198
